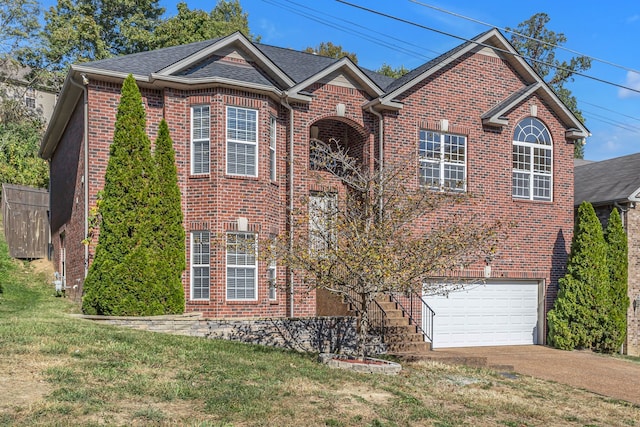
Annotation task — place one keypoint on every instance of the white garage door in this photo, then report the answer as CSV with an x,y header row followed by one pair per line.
x,y
496,313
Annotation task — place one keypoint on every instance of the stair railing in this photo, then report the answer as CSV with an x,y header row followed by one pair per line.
x,y
417,305
377,316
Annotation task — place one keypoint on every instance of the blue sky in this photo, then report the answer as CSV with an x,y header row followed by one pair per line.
x,y
607,30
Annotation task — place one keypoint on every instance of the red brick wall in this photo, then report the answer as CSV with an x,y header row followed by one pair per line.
x,y
460,93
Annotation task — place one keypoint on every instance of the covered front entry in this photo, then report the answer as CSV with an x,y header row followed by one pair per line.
x,y
490,314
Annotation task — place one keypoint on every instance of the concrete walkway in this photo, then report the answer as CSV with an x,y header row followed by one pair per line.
x,y
605,375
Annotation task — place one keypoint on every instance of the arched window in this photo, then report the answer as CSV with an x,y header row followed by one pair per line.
x,y
532,161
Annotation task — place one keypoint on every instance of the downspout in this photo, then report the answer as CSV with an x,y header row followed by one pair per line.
x,y
380,145
85,176
285,103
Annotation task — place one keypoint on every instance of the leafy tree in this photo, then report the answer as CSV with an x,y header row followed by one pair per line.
x,y
18,24
20,134
618,299
121,278
87,30
168,243
192,25
580,306
332,51
396,73
538,44
363,245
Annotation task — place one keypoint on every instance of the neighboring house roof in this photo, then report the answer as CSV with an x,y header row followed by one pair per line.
x,y
608,181
286,73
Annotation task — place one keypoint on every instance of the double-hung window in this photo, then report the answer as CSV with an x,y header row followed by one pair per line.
x,y
200,131
271,277
442,160
242,141
532,159
272,148
242,280
200,265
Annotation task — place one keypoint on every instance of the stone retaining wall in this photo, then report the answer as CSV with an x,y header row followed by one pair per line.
x,y
309,334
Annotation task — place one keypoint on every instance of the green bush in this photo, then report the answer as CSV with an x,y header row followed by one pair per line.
x,y
128,275
617,299
575,319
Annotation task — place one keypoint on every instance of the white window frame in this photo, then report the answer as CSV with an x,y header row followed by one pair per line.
x,y
201,135
322,211
436,150
532,141
249,139
273,134
197,262
272,277
30,97
249,266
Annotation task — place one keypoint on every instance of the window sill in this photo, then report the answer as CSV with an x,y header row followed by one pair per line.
x,y
200,176
242,301
515,199
242,177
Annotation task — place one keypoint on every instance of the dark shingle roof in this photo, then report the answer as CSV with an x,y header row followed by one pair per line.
x,y
608,180
297,65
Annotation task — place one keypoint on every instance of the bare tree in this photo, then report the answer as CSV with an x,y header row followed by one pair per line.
x,y
384,233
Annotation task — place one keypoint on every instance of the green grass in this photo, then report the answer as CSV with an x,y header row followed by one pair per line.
x,y
61,370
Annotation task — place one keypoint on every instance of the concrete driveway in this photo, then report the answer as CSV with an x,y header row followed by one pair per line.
x,y
605,375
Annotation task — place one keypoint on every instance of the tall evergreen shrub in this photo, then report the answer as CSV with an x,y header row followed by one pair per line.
x,y
574,320
168,245
120,280
617,297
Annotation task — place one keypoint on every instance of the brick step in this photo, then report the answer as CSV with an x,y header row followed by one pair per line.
x,y
408,347
388,306
415,337
396,321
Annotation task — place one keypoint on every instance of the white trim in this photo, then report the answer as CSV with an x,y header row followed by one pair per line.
x,y
442,160
273,153
242,142
530,171
253,266
199,140
193,265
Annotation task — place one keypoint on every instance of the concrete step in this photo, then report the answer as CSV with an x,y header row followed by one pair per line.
x,y
415,337
396,321
408,347
388,305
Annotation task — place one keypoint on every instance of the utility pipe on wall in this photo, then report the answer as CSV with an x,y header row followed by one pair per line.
x,y
285,103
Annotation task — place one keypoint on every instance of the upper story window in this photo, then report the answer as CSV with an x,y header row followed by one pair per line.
x,y
200,131
242,141
443,160
532,160
272,148
30,97
322,214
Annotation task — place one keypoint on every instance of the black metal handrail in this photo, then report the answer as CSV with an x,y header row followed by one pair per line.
x,y
377,316
415,303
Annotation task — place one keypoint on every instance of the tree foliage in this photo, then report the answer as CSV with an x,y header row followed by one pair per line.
x,y
20,133
192,25
366,243
538,44
395,73
88,30
332,51
168,243
580,306
618,298
124,276
18,24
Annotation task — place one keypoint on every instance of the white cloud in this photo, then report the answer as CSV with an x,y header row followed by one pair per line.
x,y
632,81
633,18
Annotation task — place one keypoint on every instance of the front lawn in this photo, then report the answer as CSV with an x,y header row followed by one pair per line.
x,y
59,370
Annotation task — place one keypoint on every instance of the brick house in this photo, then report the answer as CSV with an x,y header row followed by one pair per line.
x,y
616,183
243,115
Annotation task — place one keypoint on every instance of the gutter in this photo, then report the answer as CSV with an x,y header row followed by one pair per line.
x,y
85,174
285,103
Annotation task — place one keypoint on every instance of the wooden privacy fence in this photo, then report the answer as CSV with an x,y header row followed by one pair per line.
x,y
26,221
